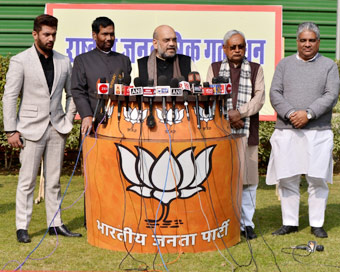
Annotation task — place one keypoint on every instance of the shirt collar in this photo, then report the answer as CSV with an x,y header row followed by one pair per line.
x,y
310,60
104,52
41,55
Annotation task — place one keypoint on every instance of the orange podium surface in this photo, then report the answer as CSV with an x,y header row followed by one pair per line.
x,y
173,188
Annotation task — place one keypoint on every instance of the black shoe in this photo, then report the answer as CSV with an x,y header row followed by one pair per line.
x,y
248,233
285,230
22,236
319,232
62,230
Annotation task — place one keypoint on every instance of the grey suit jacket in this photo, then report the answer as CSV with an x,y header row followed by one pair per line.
x,y
26,78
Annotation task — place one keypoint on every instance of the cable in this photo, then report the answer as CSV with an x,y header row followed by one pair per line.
x,y
140,217
59,209
258,225
200,201
160,202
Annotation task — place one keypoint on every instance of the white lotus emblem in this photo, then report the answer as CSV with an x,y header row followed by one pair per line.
x,y
152,177
134,115
204,117
179,114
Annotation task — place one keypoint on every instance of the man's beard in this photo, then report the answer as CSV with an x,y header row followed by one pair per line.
x,y
43,47
164,54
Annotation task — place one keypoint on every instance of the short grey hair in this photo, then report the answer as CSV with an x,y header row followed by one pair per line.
x,y
310,26
231,33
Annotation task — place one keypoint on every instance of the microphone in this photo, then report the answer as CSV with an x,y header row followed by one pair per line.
x,y
195,80
127,87
150,92
312,246
163,90
138,91
102,89
185,86
226,89
103,86
118,88
220,90
174,92
206,90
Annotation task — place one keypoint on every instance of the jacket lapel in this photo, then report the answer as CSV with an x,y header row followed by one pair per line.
x,y
57,71
36,65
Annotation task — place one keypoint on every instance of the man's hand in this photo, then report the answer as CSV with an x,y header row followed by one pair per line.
x,y
86,125
14,140
299,119
237,125
234,116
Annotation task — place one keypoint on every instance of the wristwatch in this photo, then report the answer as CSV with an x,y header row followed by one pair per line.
x,y
309,115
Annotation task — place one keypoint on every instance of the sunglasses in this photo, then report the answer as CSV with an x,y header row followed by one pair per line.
x,y
238,46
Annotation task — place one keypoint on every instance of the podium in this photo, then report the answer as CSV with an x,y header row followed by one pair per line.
x,y
172,188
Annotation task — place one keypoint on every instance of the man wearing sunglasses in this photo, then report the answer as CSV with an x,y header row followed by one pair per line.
x,y
304,90
243,112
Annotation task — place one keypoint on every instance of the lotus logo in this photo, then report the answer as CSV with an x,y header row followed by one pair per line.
x,y
134,115
179,114
149,177
204,117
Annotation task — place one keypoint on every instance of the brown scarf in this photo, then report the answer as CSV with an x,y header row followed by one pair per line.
x,y
152,67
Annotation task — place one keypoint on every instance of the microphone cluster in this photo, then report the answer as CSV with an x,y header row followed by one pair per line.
x,y
173,89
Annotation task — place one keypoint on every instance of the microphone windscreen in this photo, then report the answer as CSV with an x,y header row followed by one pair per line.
x,y
214,80
221,79
127,80
194,78
205,84
319,248
181,78
137,82
162,81
174,83
150,82
103,80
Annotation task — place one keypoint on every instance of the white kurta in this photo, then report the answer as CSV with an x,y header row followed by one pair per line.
x,y
300,151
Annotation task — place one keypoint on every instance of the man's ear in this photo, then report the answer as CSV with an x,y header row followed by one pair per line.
x,y
155,43
94,35
35,35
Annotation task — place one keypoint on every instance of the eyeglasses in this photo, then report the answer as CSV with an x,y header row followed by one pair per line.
x,y
238,46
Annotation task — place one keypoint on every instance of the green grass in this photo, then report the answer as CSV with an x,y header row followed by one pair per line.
x,y
77,255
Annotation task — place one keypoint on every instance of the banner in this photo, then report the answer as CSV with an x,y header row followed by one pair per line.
x,y
200,30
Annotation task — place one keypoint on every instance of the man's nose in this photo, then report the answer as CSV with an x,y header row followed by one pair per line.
x,y
172,43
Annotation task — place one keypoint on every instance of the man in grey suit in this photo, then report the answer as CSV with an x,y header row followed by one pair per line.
x,y
38,75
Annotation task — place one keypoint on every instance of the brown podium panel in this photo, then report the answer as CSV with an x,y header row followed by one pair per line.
x,y
173,188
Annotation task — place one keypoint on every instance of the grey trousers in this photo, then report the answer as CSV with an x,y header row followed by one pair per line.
x,y
51,148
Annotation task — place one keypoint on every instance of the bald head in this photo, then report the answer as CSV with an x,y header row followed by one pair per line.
x,y
165,41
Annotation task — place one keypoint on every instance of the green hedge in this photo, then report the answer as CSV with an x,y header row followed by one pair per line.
x,y
6,152
266,130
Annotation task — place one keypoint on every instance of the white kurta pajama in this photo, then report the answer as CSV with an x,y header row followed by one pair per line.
x,y
311,86
296,152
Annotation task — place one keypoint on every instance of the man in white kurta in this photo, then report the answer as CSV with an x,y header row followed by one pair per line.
x,y
304,90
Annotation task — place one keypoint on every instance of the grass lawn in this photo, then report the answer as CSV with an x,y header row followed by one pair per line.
x,y
77,255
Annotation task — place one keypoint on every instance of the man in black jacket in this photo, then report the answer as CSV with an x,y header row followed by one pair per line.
x,y
164,59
